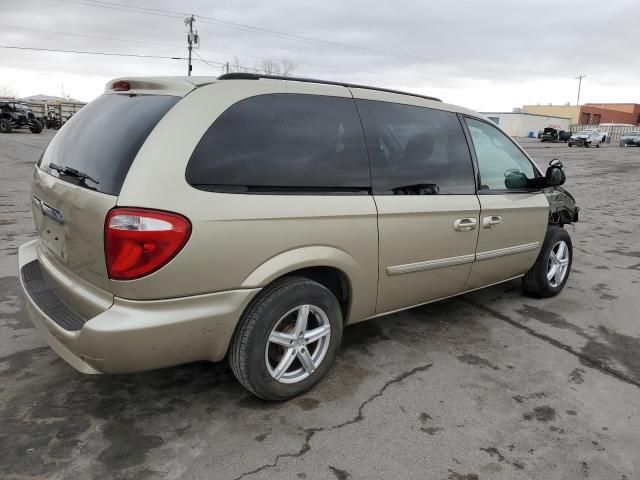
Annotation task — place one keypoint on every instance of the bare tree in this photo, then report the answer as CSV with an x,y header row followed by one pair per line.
x,y
266,66
269,67
238,67
7,91
288,67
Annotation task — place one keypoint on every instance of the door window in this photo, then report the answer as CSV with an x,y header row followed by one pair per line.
x,y
497,156
416,150
283,143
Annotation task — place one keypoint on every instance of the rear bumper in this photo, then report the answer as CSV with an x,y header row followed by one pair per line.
x,y
131,335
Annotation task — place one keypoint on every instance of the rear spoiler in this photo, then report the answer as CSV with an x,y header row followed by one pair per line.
x,y
175,86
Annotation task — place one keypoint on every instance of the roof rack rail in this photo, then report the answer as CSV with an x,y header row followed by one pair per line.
x,y
257,76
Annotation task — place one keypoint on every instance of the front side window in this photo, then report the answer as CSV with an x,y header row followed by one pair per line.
x,y
416,150
498,157
283,142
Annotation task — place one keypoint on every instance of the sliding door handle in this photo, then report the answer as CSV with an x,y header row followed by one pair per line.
x,y
465,224
492,221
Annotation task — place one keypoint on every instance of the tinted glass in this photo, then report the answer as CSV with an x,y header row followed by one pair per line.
x,y
416,150
497,156
283,142
103,138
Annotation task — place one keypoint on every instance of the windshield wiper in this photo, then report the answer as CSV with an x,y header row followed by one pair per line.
x,y
72,172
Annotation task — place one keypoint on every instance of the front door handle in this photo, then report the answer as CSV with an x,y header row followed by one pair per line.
x,y
465,224
492,221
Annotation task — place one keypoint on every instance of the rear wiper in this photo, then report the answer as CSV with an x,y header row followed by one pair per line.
x,y
72,172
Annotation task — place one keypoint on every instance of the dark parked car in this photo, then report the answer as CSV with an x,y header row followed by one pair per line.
x,y
630,138
16,115
550,134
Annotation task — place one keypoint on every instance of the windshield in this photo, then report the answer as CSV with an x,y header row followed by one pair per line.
x,y
103,138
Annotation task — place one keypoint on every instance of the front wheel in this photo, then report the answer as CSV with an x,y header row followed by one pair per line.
x,y
287,339
569,144
36,126
549,274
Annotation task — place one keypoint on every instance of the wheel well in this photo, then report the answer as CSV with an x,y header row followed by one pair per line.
x,y
333,279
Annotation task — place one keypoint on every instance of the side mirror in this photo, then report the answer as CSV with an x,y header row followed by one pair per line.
x,y
555,175
515,180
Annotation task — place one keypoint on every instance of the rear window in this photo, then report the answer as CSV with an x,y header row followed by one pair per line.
x,y
281,143
103,138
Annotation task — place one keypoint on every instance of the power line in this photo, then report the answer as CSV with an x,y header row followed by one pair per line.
x,y
86,52
114,54
216,52
240,26
83,35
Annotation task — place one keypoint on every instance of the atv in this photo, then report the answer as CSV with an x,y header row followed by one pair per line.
x,y
16,115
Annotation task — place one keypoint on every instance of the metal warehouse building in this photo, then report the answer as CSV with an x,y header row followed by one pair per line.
x,y
519,124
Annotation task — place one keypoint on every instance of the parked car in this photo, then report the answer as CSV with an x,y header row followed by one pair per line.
x,y
16,115
254,217
550,134
587,138
630,138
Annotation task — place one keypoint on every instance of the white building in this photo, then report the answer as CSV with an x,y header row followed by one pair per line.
x,y
526,124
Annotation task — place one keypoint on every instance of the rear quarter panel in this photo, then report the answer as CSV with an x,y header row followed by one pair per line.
x,y
245,240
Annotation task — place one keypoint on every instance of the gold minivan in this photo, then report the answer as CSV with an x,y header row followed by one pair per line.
x,y
254,217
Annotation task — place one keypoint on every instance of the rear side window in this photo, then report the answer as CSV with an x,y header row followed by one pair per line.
x,y
103,138
283,142
416,150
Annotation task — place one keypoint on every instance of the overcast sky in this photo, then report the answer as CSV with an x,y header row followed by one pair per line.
x,y
487,55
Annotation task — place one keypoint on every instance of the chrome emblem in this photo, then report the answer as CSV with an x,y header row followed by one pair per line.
x,y
47,210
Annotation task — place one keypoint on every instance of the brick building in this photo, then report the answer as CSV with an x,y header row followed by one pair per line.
x,y
591,113
597,113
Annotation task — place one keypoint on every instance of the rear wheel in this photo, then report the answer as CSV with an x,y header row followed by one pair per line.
x,y
549,274
287,339
5,126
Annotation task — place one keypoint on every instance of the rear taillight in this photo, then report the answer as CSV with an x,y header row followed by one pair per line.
x,y
138,241
121,86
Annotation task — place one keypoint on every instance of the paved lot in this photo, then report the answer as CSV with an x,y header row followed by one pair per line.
x,y
492,385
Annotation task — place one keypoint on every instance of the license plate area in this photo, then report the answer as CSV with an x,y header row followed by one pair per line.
x,y
50,226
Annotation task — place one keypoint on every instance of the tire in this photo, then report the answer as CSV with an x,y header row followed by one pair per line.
x,y
36,126
569,144
587,144
254,358
536,281
598,145
5,126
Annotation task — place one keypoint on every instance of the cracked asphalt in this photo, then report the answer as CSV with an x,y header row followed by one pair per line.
x,y
491,385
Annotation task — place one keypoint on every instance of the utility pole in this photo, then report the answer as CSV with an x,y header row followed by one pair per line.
x,y
226,67
192,39
579,78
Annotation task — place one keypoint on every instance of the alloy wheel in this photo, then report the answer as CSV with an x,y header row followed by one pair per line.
x,y
558,264
298,344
